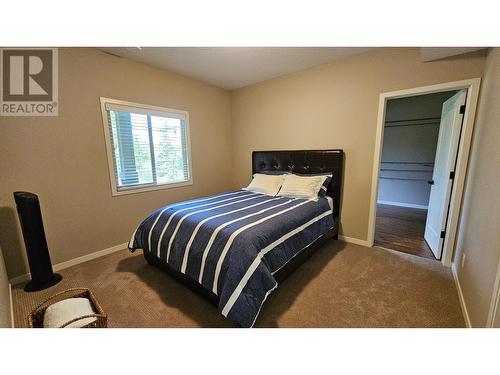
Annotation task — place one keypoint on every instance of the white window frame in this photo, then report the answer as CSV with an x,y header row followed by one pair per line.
x,y
109,148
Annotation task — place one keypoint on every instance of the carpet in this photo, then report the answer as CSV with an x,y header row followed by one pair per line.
x,y
342,285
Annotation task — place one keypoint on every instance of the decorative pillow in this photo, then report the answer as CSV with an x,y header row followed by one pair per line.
x,y
266,183
306,187
324,187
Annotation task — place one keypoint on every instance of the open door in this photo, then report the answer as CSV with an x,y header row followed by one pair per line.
x,y
444,168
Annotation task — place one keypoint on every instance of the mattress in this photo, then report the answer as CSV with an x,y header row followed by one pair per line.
x,y
232,243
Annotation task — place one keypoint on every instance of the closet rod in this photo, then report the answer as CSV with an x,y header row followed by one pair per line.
x,y
414,119
403,178
413,122
405,170
406,162
417,124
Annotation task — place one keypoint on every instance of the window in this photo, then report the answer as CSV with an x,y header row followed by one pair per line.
x,y
148,147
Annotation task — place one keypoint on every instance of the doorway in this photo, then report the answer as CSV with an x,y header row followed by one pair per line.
x,y
447,169
414,141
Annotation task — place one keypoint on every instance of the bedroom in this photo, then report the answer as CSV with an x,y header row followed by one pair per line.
x,y
149,150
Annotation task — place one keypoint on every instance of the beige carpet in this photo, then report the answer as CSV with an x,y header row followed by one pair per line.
x,y
342,285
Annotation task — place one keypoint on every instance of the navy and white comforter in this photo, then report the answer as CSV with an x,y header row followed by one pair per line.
x,y
233,243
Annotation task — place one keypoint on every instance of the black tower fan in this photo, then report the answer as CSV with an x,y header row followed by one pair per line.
x,y
30,217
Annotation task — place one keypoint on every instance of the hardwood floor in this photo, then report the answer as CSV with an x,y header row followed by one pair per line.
x,y
402,229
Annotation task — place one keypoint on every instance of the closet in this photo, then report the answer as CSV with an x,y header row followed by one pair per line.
x,y
411,132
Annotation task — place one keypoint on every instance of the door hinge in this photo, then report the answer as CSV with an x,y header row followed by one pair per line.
x,y
452,175
462,109
443,233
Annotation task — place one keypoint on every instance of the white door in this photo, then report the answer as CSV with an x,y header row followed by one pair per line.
x,y
446,155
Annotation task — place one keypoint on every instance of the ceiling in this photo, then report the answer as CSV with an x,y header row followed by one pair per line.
x,y
437,53
235,67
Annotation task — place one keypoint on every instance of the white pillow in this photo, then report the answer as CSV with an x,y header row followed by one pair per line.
x,y
306,187
68,309
265,183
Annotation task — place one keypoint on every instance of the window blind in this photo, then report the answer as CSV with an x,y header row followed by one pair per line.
x,y
149,147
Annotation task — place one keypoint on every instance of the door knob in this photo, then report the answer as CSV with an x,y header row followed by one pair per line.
x,y
430,182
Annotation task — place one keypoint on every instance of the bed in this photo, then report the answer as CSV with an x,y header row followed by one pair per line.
x,y
236,247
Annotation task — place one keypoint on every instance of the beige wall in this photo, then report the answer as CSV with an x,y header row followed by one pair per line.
x,y
479,237
63,159
5,316
335,106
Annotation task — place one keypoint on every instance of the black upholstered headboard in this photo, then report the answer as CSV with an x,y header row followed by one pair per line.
x,y
305,162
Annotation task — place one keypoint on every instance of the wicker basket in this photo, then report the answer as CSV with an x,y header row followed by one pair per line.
x,y
35,319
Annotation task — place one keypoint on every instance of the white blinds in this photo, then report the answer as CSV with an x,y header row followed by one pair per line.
x,y
149,147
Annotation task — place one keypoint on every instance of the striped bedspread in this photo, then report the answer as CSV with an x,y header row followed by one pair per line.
x,y
233,243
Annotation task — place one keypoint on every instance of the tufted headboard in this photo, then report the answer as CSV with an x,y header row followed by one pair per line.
x,y
305,162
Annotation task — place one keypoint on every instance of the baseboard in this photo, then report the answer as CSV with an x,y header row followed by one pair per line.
x,y
495,296
461,297
11,307
399,204
20,279
60,266
353,240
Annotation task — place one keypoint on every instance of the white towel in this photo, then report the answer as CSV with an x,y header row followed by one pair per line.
x,y
68,309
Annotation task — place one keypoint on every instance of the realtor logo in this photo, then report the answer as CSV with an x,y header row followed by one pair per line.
x,y
29,82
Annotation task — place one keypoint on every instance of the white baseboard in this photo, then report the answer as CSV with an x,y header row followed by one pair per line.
x,y
400,204
495,297
11,307
20,279
356,241
60,266
461,297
